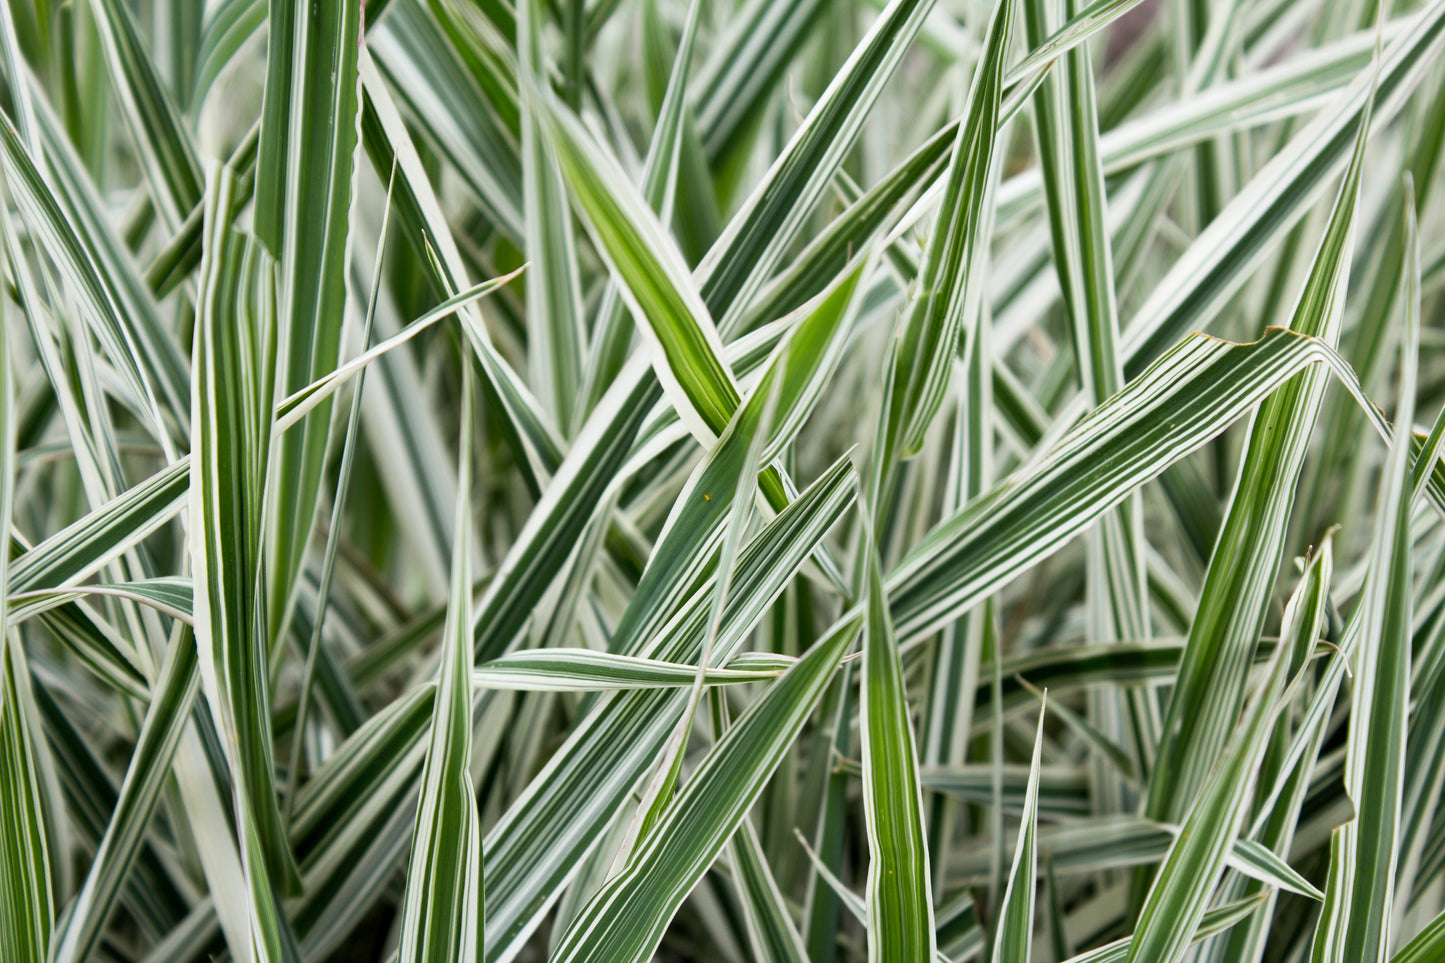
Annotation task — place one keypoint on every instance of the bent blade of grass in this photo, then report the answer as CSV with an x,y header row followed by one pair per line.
x,y
168,594
1356,920
1187,397
1234,600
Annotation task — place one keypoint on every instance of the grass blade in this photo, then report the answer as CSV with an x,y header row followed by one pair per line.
x,y
1234,599
951,277
1176,903
27,898
166,149
1014,938
557,342
625,920
1355,921
1426,945
900,885
303,199
442,911
235,360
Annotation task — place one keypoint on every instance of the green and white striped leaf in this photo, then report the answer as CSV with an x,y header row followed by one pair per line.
x,y
1427,944
166,150
1355,921
535,848
650,273
1219,261
27,904
1154,421
774,936
150,767
581,670
233,403
626,919
613,327
1014,935
900,884
556,340
951,277
1215,921
167,594
1188,876
27,892
442,911
123,319
737,168
304,173
770,219
1066,109
1237,587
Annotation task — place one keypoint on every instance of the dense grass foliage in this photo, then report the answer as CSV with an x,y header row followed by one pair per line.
x,y
800,481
